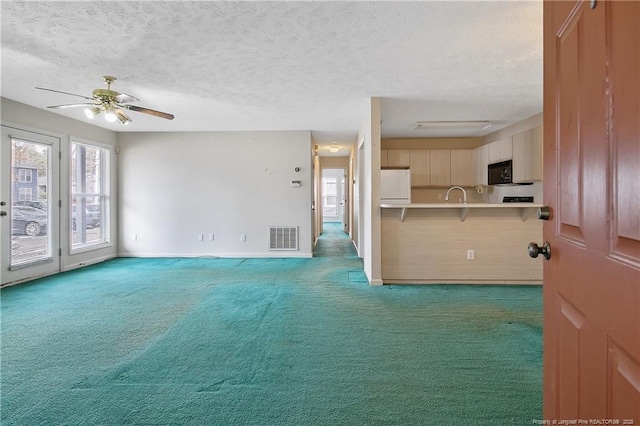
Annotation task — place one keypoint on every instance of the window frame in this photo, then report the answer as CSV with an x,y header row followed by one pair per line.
x,y
22,193
23,175
104,194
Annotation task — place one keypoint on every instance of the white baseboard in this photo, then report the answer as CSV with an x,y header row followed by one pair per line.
x,y
356,247
221,255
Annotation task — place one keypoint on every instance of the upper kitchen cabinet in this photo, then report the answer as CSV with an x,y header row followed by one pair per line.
x,y
398,158
501,150
527,156
481,161
440,164
419,160
462,167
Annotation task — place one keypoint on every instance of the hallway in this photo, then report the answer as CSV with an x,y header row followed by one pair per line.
x,y
334,242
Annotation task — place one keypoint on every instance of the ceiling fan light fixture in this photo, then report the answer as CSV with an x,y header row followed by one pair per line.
x,y
110,116
112,103
92,112
469,125
334,148
122,117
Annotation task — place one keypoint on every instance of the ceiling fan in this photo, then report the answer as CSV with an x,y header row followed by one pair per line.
x,y
112,103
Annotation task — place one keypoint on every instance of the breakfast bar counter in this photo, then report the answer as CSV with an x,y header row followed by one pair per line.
x,y
525,209
474,243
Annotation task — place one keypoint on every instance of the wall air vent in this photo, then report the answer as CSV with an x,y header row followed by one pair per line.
x,y
283,238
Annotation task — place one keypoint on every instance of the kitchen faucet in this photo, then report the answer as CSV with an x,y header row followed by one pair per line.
x,y
464,193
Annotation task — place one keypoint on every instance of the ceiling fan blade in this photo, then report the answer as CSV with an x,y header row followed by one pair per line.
x,y
123,98
149,111
73,105
66,93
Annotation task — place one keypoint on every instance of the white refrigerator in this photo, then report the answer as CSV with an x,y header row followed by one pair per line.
x,y
395,186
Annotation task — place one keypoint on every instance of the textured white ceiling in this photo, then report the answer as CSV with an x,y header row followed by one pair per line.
x,y
281,65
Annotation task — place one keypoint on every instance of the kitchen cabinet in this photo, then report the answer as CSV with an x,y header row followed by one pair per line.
x,y
398,158
501,150
440,165
436,167
481,161
462,169
419,163
527,156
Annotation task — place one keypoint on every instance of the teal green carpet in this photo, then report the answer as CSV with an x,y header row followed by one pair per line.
x,y
266,342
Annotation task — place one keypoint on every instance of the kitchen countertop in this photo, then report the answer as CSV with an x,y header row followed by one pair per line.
x,y
458,205
464,208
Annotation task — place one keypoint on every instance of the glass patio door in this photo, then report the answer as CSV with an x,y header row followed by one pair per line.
x,y
29,205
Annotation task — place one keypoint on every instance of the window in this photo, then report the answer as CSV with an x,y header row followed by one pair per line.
x,y
329,197
89,196
25,194
25,175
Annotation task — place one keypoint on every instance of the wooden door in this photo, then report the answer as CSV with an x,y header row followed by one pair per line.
x,y
592,184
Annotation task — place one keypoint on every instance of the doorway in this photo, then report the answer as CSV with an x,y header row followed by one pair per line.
x,y
29,205
333,197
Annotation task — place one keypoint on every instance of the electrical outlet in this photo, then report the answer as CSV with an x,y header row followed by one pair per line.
x,y
200,237
471,255
134,237
439,195
243,237
210,237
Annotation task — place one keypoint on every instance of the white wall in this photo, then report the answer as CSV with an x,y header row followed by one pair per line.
x,y
370,185
29,118
174,186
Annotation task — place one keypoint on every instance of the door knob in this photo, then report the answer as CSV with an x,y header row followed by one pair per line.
x,y
544,213
535,250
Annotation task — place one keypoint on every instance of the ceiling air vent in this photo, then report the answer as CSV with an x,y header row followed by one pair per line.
x,y
283,238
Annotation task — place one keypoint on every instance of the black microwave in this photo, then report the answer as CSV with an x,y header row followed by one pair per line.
x,y
500,173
